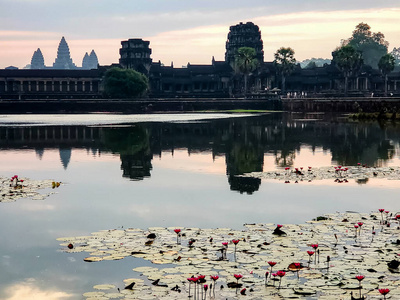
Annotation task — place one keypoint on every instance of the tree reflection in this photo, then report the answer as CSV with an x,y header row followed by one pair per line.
x,y
242,159
132,143
243,142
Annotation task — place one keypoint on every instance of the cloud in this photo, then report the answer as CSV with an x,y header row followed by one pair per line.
x,y
310,33
28,291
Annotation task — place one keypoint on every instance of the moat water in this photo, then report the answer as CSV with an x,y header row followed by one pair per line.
x,y
121,171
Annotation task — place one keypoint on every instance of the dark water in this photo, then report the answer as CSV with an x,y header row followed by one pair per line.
x,y
145,171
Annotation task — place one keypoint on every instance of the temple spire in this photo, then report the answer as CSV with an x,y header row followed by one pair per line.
x,y
37,61
63,60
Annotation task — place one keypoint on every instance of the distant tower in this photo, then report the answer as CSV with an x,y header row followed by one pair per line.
x,y
90,62
63,60
37,61
85,62
93,61
243,35
135,54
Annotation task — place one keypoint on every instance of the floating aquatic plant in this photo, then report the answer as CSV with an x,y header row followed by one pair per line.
x,y
360,278
280,273
384,292
173,264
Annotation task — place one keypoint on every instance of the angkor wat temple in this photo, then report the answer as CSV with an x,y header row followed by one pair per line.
x,y
63,60
215,80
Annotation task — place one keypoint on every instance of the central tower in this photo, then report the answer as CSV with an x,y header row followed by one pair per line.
x,y
63,60
244,35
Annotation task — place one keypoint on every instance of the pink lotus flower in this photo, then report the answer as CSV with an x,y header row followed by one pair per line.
x,y
235,242
355,226
225,244
281,273
177,231
205,287
238,276
315,246
214,277
360,224
272,263
381,210
360,277
384,292
279,226
310,252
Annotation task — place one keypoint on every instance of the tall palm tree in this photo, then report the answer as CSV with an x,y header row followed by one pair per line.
x,y
386,65
348,60
245,63
285,63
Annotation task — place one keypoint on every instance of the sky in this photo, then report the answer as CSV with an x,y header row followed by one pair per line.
x,y
182,31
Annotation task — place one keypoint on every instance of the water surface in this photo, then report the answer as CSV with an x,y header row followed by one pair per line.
x,y
121,171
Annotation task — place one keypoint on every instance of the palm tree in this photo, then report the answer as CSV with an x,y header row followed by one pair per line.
x,y
245,63
285,63
348,60
386,65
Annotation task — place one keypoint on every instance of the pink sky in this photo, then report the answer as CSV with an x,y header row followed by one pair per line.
x,y
309,33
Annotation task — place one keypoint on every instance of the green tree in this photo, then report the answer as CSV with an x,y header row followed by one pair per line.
x,y
285,63
372,45
245,63
348,60
396,55
386,65
124,83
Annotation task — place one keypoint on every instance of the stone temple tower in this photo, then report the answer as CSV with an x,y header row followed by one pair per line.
x,y
63,60
37,61
135,54
244,35
90,62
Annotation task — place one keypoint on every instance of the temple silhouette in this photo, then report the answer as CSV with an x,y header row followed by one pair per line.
x,y
64,80
63,60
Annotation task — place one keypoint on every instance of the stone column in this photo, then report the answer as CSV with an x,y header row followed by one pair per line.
x,y
29,86
91,86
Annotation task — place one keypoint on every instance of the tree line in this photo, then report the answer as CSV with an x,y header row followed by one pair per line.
x,y
363,48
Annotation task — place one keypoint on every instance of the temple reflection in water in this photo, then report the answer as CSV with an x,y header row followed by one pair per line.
x,y
243,142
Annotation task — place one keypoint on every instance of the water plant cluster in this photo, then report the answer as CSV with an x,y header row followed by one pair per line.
x,y
340,256
18,187
339,174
